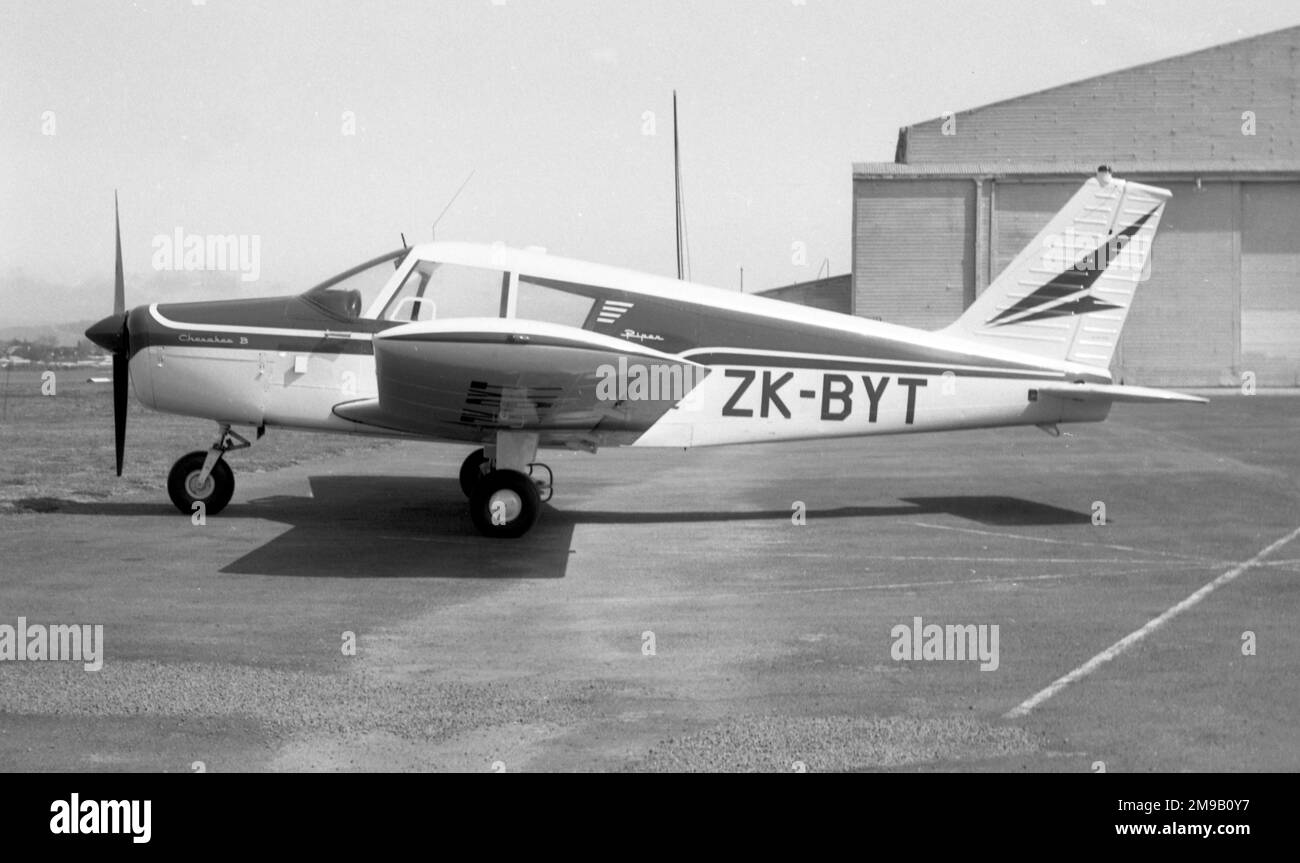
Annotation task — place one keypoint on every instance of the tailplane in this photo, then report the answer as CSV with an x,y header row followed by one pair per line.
x,y
1067,294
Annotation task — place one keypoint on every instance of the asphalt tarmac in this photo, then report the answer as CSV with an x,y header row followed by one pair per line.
x,y
668,613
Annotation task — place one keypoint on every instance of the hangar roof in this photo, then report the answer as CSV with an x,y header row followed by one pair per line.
x,y
1231,103
1205,168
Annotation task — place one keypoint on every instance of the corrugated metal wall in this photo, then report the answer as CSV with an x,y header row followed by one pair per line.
x,y
913,250
1020,210
1182,329
1270,283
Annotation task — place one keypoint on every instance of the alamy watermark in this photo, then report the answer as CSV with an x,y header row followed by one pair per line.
x,y
55,642
102,817
1082,252
179,251
647,381
952,642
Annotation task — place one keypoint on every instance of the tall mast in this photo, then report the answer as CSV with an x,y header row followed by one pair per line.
x,y
677,189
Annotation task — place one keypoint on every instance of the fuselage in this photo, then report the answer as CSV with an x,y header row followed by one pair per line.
x,y
765,370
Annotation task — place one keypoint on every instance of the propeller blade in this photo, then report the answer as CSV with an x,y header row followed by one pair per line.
x,y
114,334
121,363
119,284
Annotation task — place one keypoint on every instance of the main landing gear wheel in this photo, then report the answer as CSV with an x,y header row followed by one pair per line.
x,y
472,470
504,504
185,490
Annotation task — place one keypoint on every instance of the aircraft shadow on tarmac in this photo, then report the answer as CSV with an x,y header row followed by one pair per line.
x,y
389,526
985,509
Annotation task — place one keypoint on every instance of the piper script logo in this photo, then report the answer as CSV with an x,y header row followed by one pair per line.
x,y
94,817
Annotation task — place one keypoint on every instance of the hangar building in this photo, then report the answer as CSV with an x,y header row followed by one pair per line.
x,y
1219,127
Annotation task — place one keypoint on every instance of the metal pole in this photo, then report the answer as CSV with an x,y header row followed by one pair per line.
x,y
677,189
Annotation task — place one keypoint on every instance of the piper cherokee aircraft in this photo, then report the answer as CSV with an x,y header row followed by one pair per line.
x,y
512,351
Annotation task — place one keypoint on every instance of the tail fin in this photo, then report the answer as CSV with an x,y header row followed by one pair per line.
x,y
1066,295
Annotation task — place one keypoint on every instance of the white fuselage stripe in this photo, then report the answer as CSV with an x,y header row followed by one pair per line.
x,y
839,358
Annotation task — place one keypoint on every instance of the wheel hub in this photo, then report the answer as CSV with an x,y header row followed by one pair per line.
x,y
198,490
504,506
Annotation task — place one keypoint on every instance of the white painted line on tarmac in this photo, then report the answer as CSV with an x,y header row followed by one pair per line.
x,y
846,588
1033,560
1151,626
1066,542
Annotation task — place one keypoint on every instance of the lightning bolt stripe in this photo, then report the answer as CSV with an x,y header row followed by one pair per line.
x,y
1081,277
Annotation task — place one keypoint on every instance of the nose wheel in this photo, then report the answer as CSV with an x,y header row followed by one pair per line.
x,y
204,477
187,486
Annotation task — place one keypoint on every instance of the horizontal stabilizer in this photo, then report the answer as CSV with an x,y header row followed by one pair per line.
x,y
1114,393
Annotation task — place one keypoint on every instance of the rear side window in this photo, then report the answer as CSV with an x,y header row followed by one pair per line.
x,y
551,302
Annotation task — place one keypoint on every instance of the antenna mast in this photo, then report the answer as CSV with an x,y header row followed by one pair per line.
x,y
433,230
677,188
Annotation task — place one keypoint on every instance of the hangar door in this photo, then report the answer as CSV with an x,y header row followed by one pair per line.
x,y
913,250
1020,210
1181,329
1270,283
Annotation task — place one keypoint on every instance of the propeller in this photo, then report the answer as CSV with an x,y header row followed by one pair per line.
x,y
112,334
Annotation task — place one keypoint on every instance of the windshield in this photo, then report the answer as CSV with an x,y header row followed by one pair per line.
x,y
351,292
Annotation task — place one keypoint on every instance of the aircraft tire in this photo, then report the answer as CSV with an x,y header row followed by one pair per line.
x,y
504,504
471,471
214,495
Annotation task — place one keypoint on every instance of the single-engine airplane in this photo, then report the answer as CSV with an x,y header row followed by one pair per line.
x,y
514,350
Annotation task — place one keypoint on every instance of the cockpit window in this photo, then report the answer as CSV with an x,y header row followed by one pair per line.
x,y
437,291
350,293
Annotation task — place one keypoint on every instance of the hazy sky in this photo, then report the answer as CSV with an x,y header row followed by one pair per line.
x,y
227,117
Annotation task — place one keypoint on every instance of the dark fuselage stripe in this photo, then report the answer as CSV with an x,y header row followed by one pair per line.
x,y
260,342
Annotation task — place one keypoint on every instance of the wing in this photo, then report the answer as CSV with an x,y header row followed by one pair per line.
x,y
467,378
